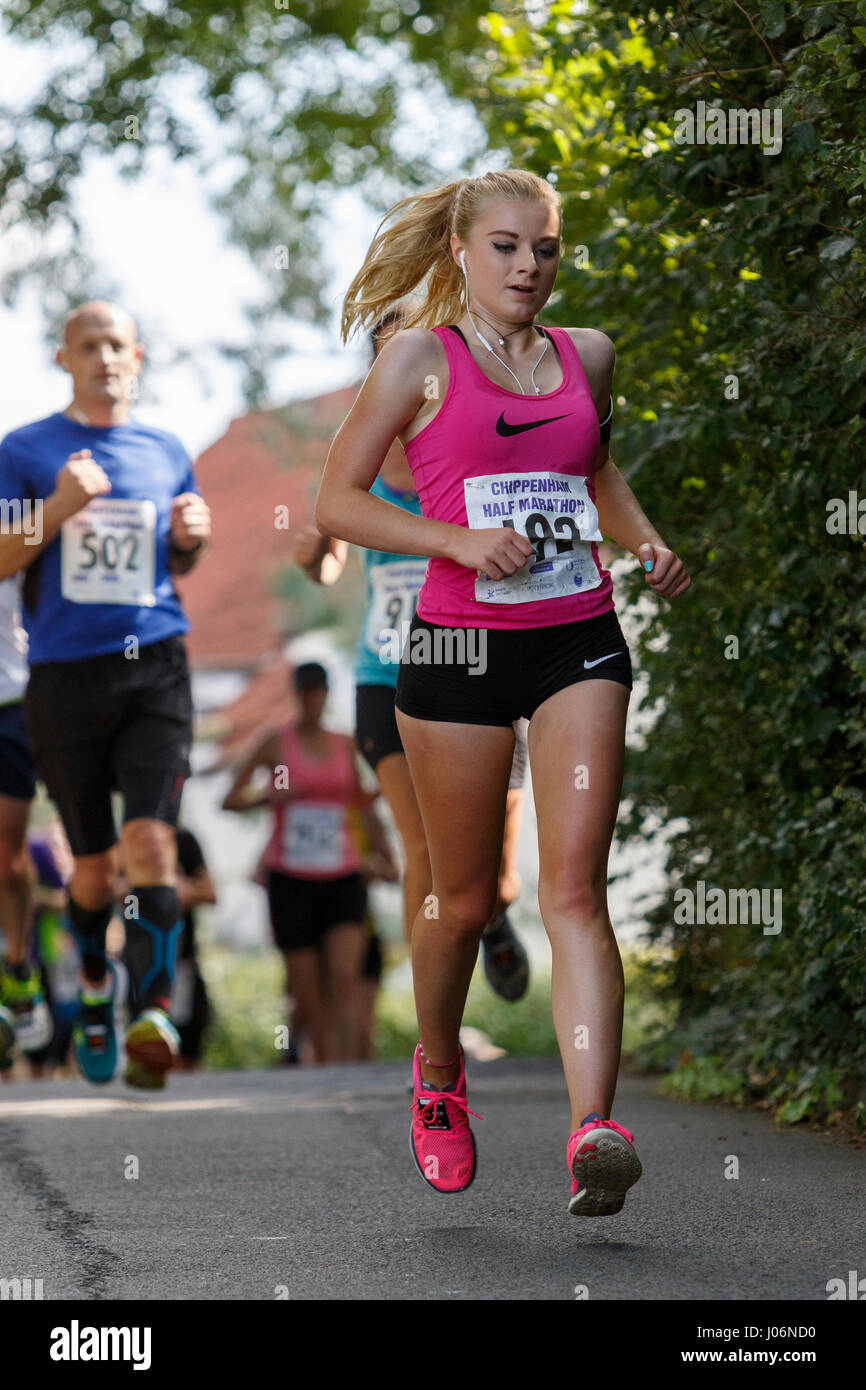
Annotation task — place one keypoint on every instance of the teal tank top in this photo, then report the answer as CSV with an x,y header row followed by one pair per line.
x,y
393,583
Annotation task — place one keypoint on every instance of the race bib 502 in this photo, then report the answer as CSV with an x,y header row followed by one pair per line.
x,y
108,552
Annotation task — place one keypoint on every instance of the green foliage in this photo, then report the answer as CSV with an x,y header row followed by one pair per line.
x,y
293,98
247,991
247,994
708,263
705,1078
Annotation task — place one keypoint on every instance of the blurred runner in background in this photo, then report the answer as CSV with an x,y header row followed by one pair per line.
x,y
24,1014
316,891
53,947
374,959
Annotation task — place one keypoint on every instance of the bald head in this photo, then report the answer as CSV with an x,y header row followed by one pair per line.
x,y
102,354
98,313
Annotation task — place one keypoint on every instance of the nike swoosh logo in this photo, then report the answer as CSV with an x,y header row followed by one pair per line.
x,y
502,426
588,664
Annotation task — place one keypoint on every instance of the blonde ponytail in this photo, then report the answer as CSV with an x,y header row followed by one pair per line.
x,y
418,245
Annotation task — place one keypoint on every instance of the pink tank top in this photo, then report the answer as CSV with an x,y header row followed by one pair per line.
x,y
493,457
311,838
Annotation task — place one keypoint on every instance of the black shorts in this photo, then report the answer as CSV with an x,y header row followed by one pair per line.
x,y
373,959
17,775
376,731
510,672
303,909
108,723
192,1032
377,734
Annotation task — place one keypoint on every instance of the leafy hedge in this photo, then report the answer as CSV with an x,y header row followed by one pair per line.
x,y
709,263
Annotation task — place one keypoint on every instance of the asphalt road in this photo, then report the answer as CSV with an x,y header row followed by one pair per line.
x,y
300,1183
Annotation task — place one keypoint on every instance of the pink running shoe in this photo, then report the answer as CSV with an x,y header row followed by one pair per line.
x,y
442,1144
603,1166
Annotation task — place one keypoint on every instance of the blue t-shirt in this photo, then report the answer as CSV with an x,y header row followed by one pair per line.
x,y
105,576
393,582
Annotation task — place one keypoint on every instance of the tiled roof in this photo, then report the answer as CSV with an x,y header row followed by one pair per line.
x,y
265,460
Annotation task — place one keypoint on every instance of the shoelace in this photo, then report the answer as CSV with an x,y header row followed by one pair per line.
x,y
605,1124
435,1097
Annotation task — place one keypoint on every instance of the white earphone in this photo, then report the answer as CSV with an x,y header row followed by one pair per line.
x,y
482,338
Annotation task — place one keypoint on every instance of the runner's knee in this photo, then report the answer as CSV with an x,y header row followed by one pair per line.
x,y
15,867
573,894
94,880
149,849
466,911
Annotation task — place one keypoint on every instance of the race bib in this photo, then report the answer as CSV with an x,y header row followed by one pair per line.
x,y
395,586
555,512
108,552
313,837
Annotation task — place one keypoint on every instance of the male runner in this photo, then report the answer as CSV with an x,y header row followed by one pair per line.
x,y
108,705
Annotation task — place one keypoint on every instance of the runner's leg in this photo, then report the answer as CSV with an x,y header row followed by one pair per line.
x,y
309,1015
509,884
91,901
582,725
16,878
343,950
152,919
460,772
399,792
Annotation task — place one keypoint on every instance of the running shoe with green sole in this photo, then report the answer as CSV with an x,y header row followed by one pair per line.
x,y
22,996
93,1034
152,1049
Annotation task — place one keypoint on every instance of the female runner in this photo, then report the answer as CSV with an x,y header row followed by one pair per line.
x,y
393,585
315,872
499,419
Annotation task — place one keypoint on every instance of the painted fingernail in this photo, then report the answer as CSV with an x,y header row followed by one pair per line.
x,y
648,564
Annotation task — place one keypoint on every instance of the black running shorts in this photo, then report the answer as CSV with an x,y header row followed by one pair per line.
x,y
374,961
303,909
111,723
377,734
17,778
502,674
376,729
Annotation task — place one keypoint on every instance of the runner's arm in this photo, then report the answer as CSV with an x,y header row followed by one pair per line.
x,y
389,399
265,754
322,558
79,480
17,550
381,860
621,517
189,532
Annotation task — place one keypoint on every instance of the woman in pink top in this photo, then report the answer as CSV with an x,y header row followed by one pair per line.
x,y
315,870
505,428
